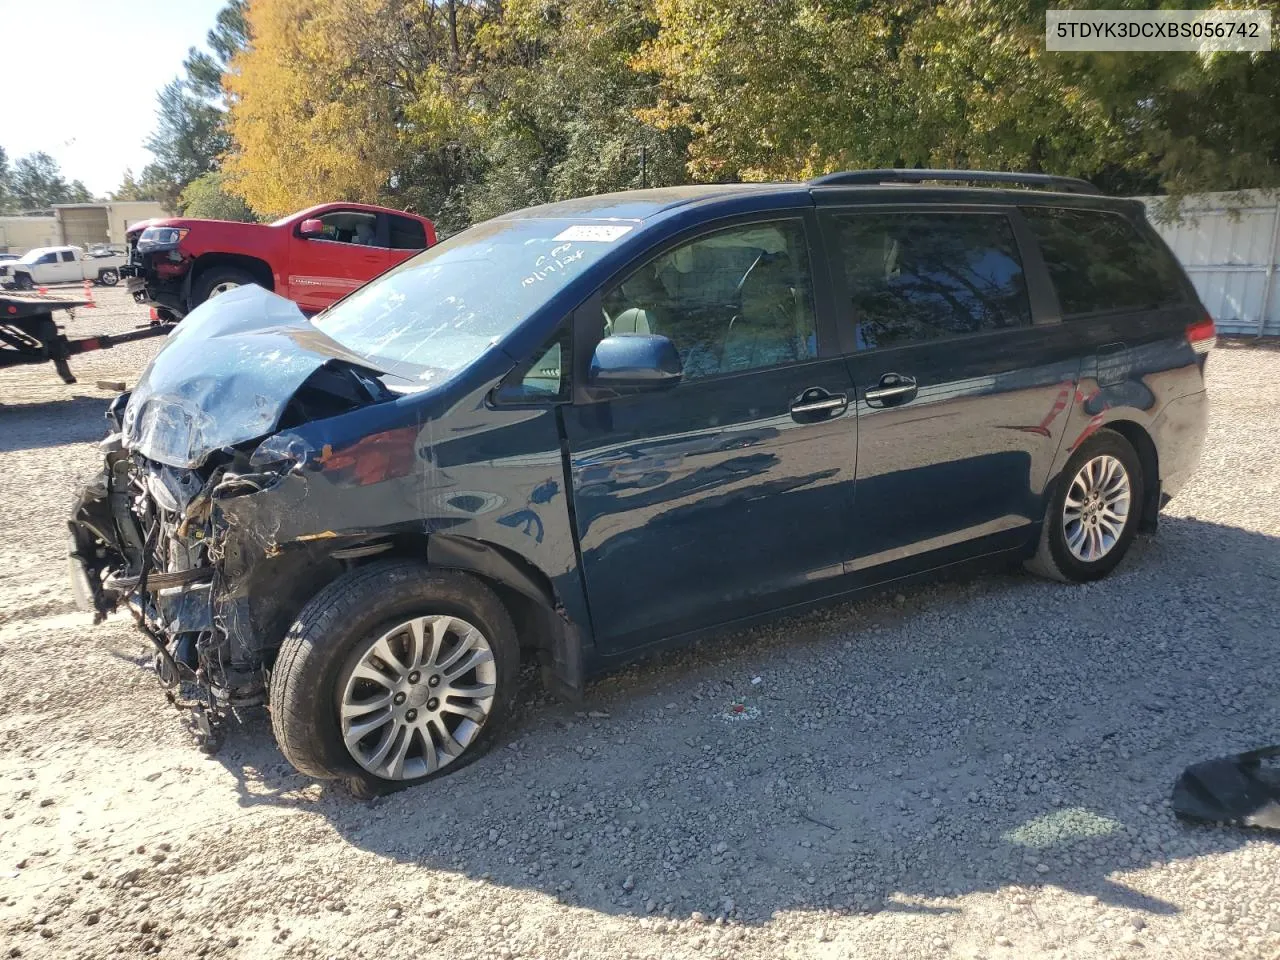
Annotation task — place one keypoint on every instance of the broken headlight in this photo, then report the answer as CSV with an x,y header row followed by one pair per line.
x,y
283,452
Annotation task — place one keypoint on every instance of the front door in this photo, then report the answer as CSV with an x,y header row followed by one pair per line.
x,y
962,398
728,494
326,268
45,269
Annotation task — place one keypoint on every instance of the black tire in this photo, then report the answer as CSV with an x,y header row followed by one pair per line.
x,y
23,281
214,277
332,631
109,277
1054,558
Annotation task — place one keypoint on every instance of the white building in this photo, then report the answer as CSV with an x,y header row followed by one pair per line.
x,y
20,234
1229,244
84,224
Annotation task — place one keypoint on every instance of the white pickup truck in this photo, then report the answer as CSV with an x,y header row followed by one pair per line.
x,y
45,265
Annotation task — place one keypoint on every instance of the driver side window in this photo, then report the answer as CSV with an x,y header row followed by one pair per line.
x,y
737,299
351,226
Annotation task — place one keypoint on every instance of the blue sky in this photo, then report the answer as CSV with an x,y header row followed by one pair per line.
x,y
80,77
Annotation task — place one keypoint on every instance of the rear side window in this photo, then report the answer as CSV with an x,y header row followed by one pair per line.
x,y
915,277
68,256
1101,262
407,234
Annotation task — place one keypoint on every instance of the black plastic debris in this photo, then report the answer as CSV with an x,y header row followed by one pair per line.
x,y
1240,790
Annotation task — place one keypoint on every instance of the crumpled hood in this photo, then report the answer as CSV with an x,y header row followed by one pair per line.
x,y
225,376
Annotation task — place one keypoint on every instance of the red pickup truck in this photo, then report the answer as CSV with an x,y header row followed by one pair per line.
x,y
313,257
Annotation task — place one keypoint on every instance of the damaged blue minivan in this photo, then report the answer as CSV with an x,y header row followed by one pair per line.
x,y
584,429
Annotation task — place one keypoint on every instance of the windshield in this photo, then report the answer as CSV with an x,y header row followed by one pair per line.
x,y
438,312
31,256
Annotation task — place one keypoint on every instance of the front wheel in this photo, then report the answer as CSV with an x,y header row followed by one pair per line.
x,y
23,281
1093,515
218,280
393,674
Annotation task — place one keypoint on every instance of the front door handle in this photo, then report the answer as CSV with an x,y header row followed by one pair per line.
x,y
893,389
818,404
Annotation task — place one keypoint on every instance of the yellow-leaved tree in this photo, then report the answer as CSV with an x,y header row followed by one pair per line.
x,y
310,123
379,101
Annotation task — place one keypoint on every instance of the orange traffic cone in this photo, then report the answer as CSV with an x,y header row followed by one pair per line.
x,y
88,294
42,290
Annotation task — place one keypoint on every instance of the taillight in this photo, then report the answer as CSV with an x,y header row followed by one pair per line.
x,y
1201,335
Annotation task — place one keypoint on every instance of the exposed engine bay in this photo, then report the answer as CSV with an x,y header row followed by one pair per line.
x,y
177,527
146,539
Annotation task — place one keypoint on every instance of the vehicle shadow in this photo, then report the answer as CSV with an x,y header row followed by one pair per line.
x,y
962,736
52,423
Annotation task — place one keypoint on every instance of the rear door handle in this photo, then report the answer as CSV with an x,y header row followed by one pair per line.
x,y
818,404
894,388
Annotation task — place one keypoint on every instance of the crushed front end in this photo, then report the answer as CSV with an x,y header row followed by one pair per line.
x,y
182,527
146,537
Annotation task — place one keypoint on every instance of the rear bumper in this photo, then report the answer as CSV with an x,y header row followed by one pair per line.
x,y
1179,434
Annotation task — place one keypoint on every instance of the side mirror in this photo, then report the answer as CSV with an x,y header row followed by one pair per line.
x,y
631,362
312,228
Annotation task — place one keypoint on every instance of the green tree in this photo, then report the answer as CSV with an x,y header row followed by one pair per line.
x,y
36,183
570,117
150,185
205,197
6,182
790,88
188,139
191,134
229,36
461,109
77,192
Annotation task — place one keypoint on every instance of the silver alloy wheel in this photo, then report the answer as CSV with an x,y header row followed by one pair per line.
x,y
1096,509
222,287
418,697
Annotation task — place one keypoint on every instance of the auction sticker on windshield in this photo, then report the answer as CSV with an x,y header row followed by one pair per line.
x,y
593,233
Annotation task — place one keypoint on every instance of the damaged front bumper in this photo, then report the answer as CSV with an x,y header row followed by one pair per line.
x,y
159,278
210,521
191,556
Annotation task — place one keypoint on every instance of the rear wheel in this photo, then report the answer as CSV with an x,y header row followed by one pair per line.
x,y
218,280
109,278
1093,515
392,675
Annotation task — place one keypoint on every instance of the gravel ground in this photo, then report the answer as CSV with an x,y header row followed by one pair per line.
x,y
975,768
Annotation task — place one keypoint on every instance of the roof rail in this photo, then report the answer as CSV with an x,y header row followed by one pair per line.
x,y
902,175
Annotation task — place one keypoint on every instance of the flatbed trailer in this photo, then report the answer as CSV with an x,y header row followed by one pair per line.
x,y
30,334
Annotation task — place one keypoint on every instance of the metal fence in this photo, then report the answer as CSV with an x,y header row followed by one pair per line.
x,y
1228,244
